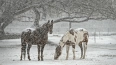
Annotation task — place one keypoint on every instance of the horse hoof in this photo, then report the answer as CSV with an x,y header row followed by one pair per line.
x,y
38,59
66,59
42,60
20,59
81,58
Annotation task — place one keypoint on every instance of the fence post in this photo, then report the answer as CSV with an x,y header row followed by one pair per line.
x,y
99,34
69,25
95,36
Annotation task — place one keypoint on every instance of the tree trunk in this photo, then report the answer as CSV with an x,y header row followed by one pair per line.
x,y
44,13
3,26
5,20
37,13
7,17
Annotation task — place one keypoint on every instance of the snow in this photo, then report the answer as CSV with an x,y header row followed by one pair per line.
x,y
26,30
101,52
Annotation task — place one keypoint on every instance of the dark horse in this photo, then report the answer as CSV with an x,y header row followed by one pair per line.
x,y
38,36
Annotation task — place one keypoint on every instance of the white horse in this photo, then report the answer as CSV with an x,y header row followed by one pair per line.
x,y
72,38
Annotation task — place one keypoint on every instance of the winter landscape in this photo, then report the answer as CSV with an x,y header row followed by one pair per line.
x,y
98,17
103,52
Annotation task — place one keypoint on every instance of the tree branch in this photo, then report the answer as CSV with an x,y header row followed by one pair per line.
x,y
65,18
69,19
26,9
31,6
74,21
57,8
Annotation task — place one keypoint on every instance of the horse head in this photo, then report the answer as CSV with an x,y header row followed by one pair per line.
x,y
49,26
57,52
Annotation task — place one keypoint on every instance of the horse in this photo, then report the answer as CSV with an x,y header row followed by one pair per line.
x,y
37,36
71,38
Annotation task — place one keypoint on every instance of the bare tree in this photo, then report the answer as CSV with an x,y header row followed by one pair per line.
x,y
86,9
12,8
63,10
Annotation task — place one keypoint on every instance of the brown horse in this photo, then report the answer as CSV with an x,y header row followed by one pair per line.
x,y
71,38
38,36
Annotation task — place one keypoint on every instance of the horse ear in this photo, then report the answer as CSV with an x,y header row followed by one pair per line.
x,y
71,31
52,21
48,21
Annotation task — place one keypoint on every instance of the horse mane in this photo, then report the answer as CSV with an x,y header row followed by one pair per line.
x,y
46,23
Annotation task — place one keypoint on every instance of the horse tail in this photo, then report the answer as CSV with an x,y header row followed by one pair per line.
x,y
23,45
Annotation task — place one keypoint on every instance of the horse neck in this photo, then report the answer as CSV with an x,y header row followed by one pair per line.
x,y
45,28
61,44
63,40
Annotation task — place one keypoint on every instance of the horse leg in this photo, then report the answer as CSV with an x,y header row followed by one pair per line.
x,y
81,47
73,50
38,46
85,48
28,50
21,56
67,51
23,50
42,48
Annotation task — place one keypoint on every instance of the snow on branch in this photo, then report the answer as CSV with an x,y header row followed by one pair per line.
x,y
32,6
76,19
73,20
26,9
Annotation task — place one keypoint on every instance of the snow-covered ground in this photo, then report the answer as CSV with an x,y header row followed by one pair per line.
x,y
103,52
